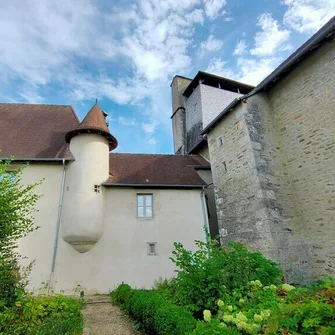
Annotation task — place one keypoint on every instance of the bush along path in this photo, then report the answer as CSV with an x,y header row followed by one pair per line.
x,y
229,291
102,318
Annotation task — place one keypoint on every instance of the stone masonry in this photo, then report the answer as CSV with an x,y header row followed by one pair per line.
x,y
274,167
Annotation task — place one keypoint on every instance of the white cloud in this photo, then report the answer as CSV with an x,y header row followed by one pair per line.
x,y
127,121
196,16
213,8
253,71
219,67
151,141
228,19
210,45
241,48
307,16
30,95
149,127
271,38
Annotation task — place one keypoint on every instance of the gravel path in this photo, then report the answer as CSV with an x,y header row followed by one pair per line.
x,y
102,318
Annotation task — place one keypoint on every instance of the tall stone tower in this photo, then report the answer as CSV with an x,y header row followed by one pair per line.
x,y
90,144
178,117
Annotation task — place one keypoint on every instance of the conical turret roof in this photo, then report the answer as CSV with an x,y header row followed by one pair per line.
x,y
94,123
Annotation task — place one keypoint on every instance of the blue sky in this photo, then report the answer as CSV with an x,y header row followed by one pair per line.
x,y
125,53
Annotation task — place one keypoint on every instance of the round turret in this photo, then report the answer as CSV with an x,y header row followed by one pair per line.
x,y
83,206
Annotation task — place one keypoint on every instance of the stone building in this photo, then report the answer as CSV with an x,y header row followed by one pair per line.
x,y
104,218
272,155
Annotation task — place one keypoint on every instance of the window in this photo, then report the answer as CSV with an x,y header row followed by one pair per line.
x,y
220,141
144,205
152,248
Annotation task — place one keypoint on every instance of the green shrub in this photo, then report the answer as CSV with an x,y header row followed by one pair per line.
x,y
210,272
213,328
309,310
43,315
257,309
155,314
17,205
121,294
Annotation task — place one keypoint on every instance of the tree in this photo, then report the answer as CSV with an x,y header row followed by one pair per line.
x,y
17,207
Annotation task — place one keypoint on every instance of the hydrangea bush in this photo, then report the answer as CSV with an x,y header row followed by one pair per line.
x,y
282,309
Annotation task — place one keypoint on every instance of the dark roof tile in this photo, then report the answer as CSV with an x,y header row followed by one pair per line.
x,y
94,122
35,131
145,169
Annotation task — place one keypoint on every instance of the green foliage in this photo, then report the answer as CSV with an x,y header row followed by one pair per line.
x,y
257,309
309,310
210,272
17,205
43,316
213,328
154,314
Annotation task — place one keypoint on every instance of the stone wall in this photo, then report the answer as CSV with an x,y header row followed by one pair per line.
x,y
178,86
240,209
303,107
274,173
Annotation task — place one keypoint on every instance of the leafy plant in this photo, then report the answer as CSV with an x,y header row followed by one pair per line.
x,y
212,271
17,206
43,316
257,309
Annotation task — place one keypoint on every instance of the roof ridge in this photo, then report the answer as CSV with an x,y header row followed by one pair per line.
x,y
22,103
74,113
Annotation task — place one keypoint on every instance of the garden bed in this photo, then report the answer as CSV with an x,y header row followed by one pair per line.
x,y
234,292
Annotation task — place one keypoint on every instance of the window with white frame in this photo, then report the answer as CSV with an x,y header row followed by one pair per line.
x,y
144,205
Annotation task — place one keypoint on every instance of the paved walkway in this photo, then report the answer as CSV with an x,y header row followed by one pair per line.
x,y
102,318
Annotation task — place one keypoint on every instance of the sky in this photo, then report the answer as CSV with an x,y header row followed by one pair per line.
x,y
125,53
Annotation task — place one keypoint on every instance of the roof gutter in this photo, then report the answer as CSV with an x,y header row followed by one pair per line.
x,y
59,160
152,185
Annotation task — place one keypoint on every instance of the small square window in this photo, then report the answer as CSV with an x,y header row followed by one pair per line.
x,y
152,248
144,206
220,141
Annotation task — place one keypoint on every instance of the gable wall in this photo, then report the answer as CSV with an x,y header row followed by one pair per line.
x,y
120,255
277,193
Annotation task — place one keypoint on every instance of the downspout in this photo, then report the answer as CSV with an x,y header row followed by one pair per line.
x,y
204,213
59,216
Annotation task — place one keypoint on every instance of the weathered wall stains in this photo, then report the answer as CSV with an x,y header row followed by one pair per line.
x,y
274,173
178,86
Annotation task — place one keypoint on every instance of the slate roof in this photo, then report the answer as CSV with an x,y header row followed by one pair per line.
x,y
155,170
214,80
94,122
29,131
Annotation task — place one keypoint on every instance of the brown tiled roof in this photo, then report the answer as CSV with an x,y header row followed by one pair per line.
x,y
30,131
94,122
155,170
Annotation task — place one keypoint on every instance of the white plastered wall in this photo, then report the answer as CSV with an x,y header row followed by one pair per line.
x,y
38,246
121,254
